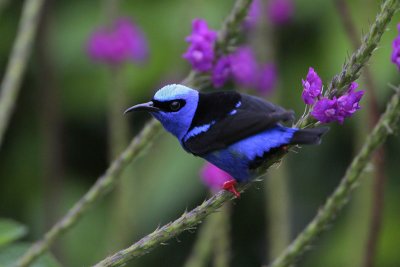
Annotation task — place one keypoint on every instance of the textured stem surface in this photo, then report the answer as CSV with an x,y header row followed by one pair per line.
x,y
17,64
201,252
213,236
186,222
351,70
222,237
340,196
107,181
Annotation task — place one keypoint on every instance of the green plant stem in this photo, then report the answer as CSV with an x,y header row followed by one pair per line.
x,y
201,252
106,182
213,236
339,198
120,227
18,60
186,222
222,241
351,69
277,210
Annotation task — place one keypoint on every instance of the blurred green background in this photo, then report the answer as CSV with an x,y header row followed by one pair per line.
x,y
56,144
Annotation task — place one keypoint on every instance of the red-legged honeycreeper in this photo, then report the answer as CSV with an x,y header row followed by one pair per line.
x,y
236,132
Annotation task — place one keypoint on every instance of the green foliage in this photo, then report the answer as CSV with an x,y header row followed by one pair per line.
x,y
10,251
10,254
10,231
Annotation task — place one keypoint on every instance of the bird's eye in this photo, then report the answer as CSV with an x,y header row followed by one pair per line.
x,y
175,105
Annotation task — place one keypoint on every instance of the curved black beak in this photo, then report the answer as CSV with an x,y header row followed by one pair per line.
x,y
149,106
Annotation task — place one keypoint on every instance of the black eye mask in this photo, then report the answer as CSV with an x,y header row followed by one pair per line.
x,y
170,106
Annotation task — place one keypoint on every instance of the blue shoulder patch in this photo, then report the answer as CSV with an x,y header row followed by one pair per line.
x,y
198,130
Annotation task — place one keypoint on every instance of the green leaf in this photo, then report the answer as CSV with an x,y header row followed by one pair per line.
x,y
10,231
9,254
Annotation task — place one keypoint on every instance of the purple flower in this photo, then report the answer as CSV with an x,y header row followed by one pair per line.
x,y
312,87
254,14
280,11
337,109
221,72
200,55
201,32
214,177
348,103
396,49
122,42
268,77
326,110
200,52
244,67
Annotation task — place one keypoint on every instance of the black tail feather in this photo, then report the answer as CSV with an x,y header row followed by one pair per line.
x,y
310,136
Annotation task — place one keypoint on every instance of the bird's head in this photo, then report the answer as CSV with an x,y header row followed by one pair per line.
x,y
174,106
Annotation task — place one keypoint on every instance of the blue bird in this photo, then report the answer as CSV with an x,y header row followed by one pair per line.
x,y
235,132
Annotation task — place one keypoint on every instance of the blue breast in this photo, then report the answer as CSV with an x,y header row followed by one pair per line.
x,y
236,158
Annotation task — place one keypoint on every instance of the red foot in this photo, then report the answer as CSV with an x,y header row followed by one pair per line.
x,y
230,186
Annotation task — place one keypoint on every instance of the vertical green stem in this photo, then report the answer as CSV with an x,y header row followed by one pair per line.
x,y
276,183
277,198
203,246
214,236
117,124
118,137
51,121
222,239
118,132
18,60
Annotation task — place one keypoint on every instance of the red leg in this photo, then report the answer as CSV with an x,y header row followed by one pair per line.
x,y
230,186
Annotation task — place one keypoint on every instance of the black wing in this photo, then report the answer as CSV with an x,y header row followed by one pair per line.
x,y
231,121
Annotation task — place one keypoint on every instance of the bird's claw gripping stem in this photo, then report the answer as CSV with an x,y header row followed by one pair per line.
x,y
230,186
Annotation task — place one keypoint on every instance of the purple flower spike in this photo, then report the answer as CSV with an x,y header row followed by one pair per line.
x,y
280,11
312,87
326,110
201,32
200,53
268,77
254,14
396,49
348,103
214,177
244,67
221,72
122,42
